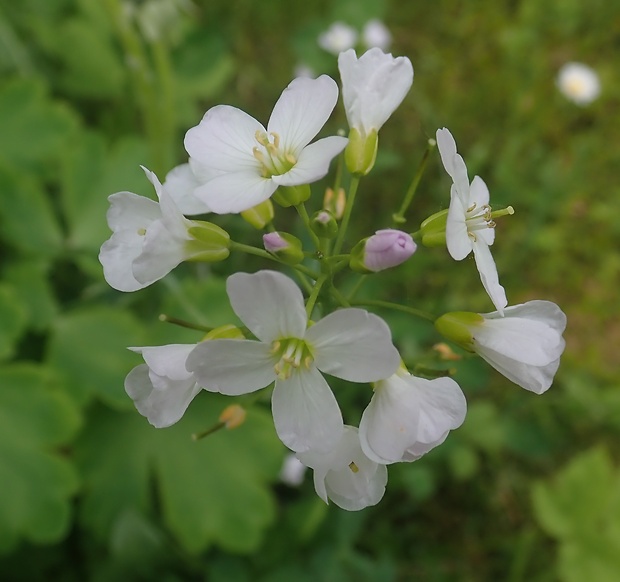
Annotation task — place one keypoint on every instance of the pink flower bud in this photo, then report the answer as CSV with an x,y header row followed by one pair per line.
x,y
273,242
387,248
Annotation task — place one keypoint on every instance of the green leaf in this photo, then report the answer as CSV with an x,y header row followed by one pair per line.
x,y
13,318
29,279
37,482
28,220
34,128
210,492
588,478
90,173
89,349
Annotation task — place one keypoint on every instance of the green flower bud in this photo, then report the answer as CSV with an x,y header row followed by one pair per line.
x,y
361,152
260,215
433,229
284,246
209,242
324,224
292,195
457,326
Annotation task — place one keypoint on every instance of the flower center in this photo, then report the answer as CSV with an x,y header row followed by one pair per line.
x,y
273,159
291,354
481,218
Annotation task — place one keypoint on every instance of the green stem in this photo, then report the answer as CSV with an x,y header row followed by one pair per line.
x,y
347,213
250,250
182,323
303,214
357,286
315,293
397,307
205,433
399,217
165,122
339,297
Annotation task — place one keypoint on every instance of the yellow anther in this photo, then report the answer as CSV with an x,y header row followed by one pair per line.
x,y
258,154
354,468
290,158
233,416
275,346
276,138
142,231
307,362
261,137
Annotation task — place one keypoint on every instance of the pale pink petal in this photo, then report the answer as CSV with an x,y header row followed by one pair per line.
x,y
302,110
354,345
305,412
232,367
269,303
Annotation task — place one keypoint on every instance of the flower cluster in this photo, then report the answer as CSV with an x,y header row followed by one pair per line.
x,y
297,338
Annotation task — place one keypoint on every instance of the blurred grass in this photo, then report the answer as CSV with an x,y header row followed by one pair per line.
x,y
78,115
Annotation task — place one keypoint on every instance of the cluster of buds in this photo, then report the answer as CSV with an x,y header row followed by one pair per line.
x,y
288,343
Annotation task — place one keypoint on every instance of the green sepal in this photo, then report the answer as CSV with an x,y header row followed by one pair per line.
x,y
292,195
457,326
356,261
260,215
433,229
228,331
209,243
361,152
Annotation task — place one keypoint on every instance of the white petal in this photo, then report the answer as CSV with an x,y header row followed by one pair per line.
x,y
313,163
180,184
232,367
269,304
488,275
529,341
458,240
305,412
131,212
354,345
223,141
235,192
478,192
302,110
389,425
543,311
116,256
453,164
536,379
162,405
161,253
168,360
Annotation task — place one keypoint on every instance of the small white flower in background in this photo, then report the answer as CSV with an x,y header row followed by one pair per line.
x,y
337,38
373,86
408,416
376,34
180,184
293,471
470,226
239,163
524,344
346,475
578,83
303,70
351,344
162,388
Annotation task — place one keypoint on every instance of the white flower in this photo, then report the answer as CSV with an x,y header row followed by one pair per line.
x,y
162,388
180,184
373,86
524,344
151,239
345,475
240,164
293,471
350,343
470,225
578,83
376,34
337,38
408,416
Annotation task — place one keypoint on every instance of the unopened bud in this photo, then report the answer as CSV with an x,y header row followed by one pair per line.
x,y
323,224
335,202
260,215
233,416
286,247
385,249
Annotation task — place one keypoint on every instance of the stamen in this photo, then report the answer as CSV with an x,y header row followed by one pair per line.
x,y
142,231
258,155
275,347
472,207
290,158
261,137
276,139
354,468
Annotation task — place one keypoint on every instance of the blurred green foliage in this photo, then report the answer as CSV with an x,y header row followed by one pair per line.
x,y
89,491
